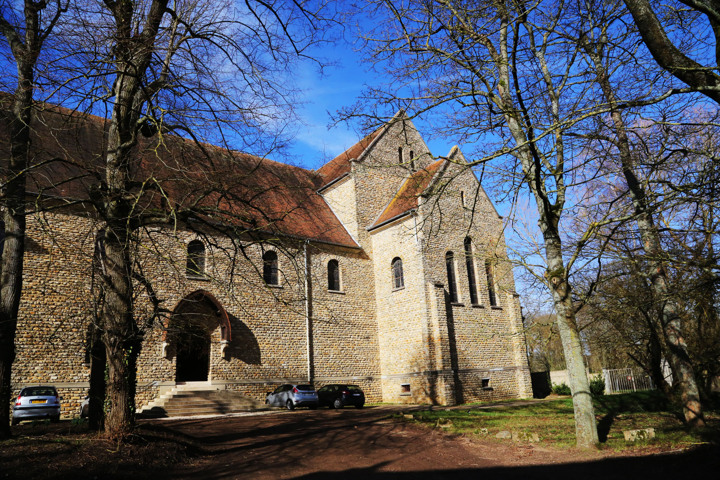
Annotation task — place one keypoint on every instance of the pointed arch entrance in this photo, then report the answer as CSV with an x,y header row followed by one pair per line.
x,y
193,326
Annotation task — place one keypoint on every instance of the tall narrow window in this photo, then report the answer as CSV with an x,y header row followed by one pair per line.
x,y
195,259
398,280
491,283
452,284
270,268
462,198
470,264
412,160
334,275
400,156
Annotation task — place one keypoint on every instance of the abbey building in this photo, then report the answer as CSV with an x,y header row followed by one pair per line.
x,y
385,268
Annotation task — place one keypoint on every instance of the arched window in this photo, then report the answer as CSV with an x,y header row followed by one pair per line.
x,y
270,268
195,259
398,280
489,271
333,275
470,264
452,284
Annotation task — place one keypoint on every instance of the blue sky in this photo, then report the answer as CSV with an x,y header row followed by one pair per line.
x,y
339,86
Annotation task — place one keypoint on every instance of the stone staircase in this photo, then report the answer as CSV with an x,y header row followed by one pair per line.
x,y
194,399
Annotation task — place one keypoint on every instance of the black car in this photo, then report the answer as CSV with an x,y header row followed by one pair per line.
x,y
339,395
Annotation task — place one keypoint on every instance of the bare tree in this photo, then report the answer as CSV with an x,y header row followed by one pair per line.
x,y
25,35
602,59
681,51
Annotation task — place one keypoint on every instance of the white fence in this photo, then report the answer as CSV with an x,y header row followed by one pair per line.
x,y
626,380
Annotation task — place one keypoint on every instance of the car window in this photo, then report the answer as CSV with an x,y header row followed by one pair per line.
x,y
287,388
307,388
279,389
38,392
354,388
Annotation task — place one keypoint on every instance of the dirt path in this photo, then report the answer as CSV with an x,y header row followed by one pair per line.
x,y
318,444
367,444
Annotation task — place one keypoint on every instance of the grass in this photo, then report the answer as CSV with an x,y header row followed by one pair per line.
x,y
552,421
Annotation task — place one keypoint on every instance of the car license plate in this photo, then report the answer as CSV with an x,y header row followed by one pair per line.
x,y
38,401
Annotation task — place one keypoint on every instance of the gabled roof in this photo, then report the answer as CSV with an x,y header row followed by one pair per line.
x,y
407,197
340,165
225,186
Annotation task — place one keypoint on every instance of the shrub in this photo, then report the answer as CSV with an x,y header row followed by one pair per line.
x,y
561,389
597,385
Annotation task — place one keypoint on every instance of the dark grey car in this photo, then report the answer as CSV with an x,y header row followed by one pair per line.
x,y
291,396
36,402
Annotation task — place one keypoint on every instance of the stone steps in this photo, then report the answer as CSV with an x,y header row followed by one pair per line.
x,y
181,402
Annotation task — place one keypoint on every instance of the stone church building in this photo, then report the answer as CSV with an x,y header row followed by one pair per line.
x,y
385,268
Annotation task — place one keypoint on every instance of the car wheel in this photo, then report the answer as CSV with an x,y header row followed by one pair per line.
x,y
290,405
15,421
55,418
337,403
359,405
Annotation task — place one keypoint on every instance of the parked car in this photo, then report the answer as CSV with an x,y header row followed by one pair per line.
x,y
339,395
291,396
36,402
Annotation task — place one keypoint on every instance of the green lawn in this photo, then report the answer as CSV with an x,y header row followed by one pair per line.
x,y
552,421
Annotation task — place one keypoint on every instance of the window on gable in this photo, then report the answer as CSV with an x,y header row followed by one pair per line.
x,y
398,280
400,155
489,271
333,275
462,198
195,259
452,283
470,264
270,268
412,160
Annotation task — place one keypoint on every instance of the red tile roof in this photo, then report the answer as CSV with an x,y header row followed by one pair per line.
x,y
226,187
406,198
340,165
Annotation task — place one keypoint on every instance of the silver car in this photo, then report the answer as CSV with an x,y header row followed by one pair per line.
x,y
291,396
36,402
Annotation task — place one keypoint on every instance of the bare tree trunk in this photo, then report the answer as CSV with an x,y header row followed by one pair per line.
x,y
586,434
671,323
25,43
121,334
13,241
96,412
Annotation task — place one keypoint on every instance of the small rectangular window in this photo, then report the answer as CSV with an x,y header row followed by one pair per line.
x,y
486,384
405,389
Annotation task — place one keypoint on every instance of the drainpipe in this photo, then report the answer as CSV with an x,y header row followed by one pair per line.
x,y
308,312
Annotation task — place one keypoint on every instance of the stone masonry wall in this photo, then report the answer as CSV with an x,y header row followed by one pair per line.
x,y
488,340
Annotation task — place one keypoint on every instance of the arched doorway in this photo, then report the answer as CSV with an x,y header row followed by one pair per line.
x,y
196,322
